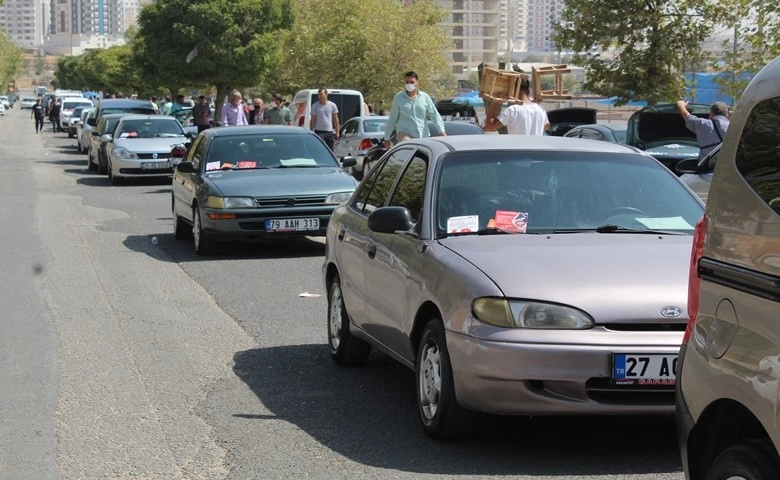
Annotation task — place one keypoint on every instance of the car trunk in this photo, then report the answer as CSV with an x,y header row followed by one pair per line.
x,y
564,119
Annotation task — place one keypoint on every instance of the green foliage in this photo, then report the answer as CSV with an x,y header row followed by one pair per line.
x,y
11,59
647,45
229,43
366,45
40,65
758,42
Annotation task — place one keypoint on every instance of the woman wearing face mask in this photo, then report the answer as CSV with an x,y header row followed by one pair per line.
x,y
410,113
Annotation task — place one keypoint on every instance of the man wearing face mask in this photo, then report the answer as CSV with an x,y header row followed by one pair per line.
x,y
278,114
410,113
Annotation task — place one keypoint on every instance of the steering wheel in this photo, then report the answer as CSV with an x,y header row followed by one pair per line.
x,y
623,211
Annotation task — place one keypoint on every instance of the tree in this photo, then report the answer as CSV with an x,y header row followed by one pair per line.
x,y
646,46
199,43
756,42
365,45
11,59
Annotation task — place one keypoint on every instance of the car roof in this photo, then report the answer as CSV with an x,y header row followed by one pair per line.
x,y
141,116
123,102
527,142
257,129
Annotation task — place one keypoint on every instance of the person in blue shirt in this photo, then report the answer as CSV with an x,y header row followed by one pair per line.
x,y
410,113
709,131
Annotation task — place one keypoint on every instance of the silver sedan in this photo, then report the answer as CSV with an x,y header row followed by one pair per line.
x,y
515,275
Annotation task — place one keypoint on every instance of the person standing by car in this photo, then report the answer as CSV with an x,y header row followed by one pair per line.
x,y
709,131
38,114
256,114
410,111
523,118
325,118
233,111
201,114
278,114
54,115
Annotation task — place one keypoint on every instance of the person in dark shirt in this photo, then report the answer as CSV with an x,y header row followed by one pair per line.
x,y
54,115
38,114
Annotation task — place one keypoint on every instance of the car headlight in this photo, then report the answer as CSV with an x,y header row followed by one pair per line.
x,y
501,312
231,202
124,154
336,198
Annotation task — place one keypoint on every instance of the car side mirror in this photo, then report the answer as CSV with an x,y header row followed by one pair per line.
x,y
91,122
689,165
106,137
186,167
348,161
390,220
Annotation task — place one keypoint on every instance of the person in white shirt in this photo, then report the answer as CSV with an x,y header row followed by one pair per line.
x,y
522,118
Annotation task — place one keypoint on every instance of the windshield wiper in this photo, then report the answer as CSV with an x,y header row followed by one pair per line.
x,y
612,228
489,231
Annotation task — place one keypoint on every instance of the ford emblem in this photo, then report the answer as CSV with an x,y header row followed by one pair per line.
x,y
154,155
671,312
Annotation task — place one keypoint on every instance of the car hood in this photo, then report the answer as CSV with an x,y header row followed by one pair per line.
x,y
281,181
159,145
615,277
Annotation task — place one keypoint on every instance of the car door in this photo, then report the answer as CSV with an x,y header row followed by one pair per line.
x,y
357,246
184,184
391,274
345,146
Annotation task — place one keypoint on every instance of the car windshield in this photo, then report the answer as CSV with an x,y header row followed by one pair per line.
x,y
563,192
151,128
282,150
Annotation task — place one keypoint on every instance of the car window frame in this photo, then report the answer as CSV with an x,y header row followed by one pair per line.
x,y
423,157
361,197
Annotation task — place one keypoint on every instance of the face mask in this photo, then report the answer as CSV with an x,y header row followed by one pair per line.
x,y
410,87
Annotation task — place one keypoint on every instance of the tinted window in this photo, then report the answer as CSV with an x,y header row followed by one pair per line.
x,y
411,187
349,105
591,134
383,181
757,157
456,128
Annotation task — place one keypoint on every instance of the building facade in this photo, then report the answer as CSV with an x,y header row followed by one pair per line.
x,y
25,21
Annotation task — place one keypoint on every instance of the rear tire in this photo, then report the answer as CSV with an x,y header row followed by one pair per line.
x,y
751,460
101,166
345,349
441,415
181,229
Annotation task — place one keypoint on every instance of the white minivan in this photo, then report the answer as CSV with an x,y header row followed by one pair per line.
x,y
68,104
349,102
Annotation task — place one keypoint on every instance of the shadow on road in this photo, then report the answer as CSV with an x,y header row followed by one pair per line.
x,y
369,415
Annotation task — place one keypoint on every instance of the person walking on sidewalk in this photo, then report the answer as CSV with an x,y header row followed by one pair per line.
x,y
54,115
38,114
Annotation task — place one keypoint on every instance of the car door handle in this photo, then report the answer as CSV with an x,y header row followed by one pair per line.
x,y
341,232
371,251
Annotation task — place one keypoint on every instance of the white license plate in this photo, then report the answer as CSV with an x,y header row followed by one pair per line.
x,y
155,165
292,224
650,369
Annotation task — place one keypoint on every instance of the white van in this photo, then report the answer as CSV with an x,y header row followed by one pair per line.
x,y
349,102
67,105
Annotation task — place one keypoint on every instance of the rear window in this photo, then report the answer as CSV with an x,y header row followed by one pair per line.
x,y
349,105
142,110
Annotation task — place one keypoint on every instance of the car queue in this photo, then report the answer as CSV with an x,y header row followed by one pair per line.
x,y
517,276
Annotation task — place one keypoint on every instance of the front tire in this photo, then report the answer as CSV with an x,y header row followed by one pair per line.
x,y
203,244
752,460
345,349
442,417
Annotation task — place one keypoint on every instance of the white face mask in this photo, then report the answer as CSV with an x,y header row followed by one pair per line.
x,y
410,87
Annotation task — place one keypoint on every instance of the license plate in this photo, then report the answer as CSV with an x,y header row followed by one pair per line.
x,y
650,369
292,224
155,165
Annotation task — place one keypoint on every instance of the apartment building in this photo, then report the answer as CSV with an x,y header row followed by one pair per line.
x,y
25,21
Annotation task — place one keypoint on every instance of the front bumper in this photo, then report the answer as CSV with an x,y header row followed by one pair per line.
x,y
545,378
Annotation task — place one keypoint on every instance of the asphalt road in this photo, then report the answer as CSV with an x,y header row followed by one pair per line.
x,y
124,358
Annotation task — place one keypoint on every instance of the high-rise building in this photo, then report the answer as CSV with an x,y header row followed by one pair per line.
x,y
542,15
26,21
475,33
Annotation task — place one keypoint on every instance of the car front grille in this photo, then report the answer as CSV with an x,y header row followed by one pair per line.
x,y
293,201
148,156
140,171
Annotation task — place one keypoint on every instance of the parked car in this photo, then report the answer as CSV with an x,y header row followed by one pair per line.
x,y
660,130
349,102
597,131
68,108
141,147
97,156
451,128
122,105
698,174
74,120
83,132
5,101
2,109
727,385
256,182
515,275
28,102
357,136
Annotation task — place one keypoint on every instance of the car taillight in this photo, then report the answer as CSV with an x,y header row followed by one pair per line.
x,y
694,281
365,144
300,121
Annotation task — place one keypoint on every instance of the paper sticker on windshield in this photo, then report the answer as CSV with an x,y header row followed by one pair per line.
x,y
665,223
213,166
246,164
298,162
511,222
464,224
